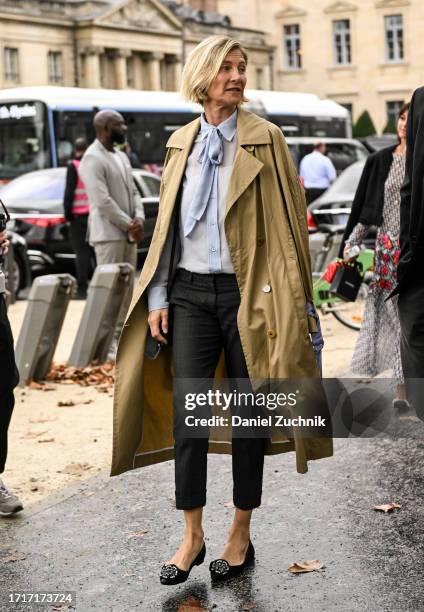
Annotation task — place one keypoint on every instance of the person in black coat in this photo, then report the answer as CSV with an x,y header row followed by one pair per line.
x,y
410,277
367,206
377,204
9,378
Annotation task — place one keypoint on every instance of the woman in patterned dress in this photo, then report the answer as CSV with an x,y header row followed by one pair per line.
x,y
377,204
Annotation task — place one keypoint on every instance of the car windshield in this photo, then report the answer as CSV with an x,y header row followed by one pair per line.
x,y
48,185
347,182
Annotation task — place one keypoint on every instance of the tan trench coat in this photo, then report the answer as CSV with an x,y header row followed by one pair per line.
x,y
265,226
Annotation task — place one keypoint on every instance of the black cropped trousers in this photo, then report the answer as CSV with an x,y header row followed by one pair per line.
x,y
205,323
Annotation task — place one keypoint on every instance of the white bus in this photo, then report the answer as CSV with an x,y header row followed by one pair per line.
x,y
38,125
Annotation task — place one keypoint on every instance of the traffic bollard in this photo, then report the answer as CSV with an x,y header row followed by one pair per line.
x,y
47,305
107,291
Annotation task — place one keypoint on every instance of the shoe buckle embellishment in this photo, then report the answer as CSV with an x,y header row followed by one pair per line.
x,y
169,571
220,566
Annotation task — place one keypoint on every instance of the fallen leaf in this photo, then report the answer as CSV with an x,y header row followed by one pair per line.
x,y
66,403
35,385
408,417
75,468
33,489
43,420
45,440
33,434
49,388
228,504
136,534
299,567
101,377
12,557
248,606
89,401
387,507
191,604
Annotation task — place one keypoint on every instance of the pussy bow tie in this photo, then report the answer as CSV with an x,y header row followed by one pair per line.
x,y
210,157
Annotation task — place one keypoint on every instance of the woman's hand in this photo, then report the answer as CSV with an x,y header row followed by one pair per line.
x,y
158,322
346,254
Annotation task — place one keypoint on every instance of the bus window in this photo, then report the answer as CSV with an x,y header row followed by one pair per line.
x,y
332,128
70,125
24,143
149,132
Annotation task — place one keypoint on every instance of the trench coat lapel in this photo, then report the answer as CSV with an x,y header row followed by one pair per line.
x,y
246,166
245,169
174,171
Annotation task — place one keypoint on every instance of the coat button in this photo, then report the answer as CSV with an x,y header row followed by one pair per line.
x,y
271,333
266,288
260,241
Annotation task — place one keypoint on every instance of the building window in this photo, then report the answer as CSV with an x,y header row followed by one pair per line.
x,y
292,53
11,64
392,110
130,72
259,78
342,43
393,26
55,67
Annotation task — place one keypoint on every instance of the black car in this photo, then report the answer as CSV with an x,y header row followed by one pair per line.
x,y
35,204
17,265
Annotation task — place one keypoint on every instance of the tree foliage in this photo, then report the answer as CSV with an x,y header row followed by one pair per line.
x,y
364,126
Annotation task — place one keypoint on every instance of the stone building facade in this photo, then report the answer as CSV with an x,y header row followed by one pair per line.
x,y
365,54
116,44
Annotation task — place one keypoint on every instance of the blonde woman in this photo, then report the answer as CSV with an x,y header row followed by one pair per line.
x,y
229,258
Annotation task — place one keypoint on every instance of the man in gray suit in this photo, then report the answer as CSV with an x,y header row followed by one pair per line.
x,y
116,219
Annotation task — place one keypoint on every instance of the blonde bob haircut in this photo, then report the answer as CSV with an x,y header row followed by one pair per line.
x,y
203,65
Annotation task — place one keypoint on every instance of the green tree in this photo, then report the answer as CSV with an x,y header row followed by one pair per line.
x,y
390,126
364,126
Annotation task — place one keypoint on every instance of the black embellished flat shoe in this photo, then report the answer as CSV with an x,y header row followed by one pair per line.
x,y
172,574
221,570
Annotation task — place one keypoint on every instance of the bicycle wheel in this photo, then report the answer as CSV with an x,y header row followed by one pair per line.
x,y
351,314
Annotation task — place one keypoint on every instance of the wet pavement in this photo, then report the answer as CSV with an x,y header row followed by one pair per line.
x,y
90,540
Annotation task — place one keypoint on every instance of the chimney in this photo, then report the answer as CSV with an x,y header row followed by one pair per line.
x,y
204,5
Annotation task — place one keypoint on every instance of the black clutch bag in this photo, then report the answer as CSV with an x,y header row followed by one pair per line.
x,y
347,281
153,347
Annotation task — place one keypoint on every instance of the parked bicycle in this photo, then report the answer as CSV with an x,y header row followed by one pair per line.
x,y
324,248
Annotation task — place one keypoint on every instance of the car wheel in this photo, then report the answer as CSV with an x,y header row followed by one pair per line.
x,y
15,279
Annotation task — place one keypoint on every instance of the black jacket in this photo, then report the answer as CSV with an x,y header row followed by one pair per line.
x,y
412,193
70,186
367,206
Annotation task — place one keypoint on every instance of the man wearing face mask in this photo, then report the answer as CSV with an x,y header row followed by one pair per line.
x,y
116,218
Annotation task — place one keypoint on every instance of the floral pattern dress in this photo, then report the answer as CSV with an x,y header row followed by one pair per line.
x,y
378,346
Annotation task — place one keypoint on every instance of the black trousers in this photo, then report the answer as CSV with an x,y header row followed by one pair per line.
x,y
205,322
313,194
9,378
411,315
83,251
